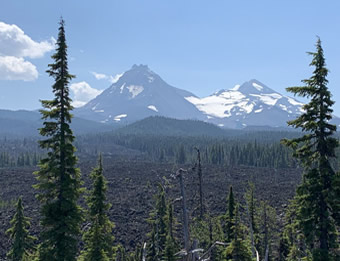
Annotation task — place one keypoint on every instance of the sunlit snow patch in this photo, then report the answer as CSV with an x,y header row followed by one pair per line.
x,y
257,86
94,107
269,99
135,90
221,105
122,88
119,117
294,102
151,79
152,107
236,87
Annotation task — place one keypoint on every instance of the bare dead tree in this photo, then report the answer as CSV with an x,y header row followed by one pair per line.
x,y
207,253
195,251
144,252
179,174
200,182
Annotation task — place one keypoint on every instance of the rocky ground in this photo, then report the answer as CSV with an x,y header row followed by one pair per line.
x,y
132,184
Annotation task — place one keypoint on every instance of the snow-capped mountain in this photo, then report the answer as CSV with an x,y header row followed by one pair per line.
x,y
139,93
249,104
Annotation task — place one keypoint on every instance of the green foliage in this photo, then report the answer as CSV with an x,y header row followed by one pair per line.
x,y
58,178
158,125
318,195
98,239
23,159
120,254
162,243
170,249
229,217
248,151
252,213
252,206
207,231
239,247
181,155
292,242
6,203
158,219
267,226
200,230
22,242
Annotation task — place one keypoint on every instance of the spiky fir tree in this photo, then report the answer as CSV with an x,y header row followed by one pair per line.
x,y
22,242
98,239
59,184
251,204
159,219
318,195
170,241
229,219
239,247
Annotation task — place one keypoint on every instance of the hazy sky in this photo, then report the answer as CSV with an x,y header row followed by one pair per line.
x,y
200,46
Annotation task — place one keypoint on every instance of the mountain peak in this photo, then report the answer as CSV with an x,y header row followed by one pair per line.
x,y
137,75
254,86
140,67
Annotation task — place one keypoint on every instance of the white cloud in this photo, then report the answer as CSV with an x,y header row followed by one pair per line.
x,y
110,78
14,46
99,76
83,93
14,42
14,68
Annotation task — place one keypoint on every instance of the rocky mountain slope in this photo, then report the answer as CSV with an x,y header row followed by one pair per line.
x,y
139,93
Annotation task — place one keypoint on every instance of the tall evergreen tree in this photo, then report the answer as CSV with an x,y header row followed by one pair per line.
x,y
181,155
22,242
229,225
318,195
159,220
98,239
266,232
239,247
170,241
120,254
252,216
59,184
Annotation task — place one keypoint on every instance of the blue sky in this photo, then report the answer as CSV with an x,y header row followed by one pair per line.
x,y
200,46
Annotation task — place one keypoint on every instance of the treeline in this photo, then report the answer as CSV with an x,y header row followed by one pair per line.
x,y
19,152
181,150
20,160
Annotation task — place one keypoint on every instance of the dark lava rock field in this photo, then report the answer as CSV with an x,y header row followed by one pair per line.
x,y
132,184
